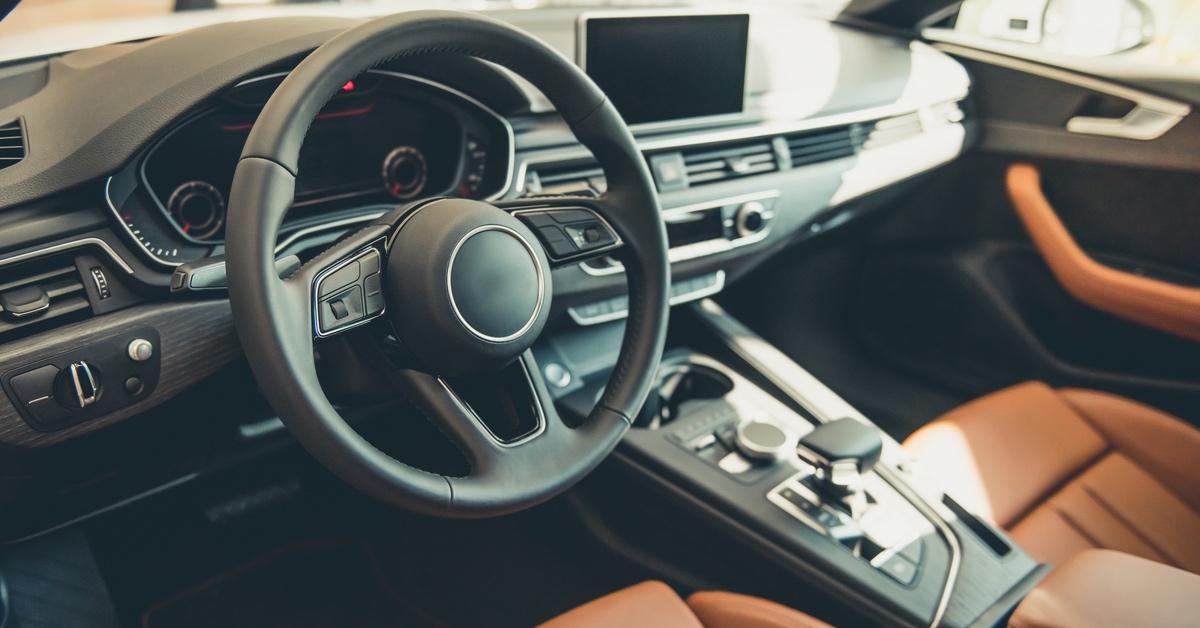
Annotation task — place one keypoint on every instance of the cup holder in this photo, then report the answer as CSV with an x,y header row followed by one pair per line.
x,y
679,384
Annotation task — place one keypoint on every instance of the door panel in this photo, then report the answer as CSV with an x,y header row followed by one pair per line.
x,y
955,290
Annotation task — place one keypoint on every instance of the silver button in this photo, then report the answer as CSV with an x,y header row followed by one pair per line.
x,y
140,349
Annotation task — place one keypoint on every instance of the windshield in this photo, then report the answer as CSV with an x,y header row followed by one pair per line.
x,y
41,27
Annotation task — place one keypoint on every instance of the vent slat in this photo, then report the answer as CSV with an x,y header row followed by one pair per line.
x,y
12,143
713,164
58,278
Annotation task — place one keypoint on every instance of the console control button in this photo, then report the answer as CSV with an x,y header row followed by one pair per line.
x,y
134,386
761,440
140,350
36,385
79,385
899,568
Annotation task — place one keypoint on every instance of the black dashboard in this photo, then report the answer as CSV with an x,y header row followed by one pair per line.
x,y
384,138
121,186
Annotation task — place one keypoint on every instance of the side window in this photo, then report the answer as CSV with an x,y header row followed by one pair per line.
x,y
1151,31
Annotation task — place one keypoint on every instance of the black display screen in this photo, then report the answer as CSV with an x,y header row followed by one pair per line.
x,y
668,67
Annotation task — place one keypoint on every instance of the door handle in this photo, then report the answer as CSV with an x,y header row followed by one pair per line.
x,y
1141,123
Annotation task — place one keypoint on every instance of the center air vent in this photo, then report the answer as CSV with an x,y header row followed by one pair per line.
x,y
723,162
12,143
565,178
41,290
810,147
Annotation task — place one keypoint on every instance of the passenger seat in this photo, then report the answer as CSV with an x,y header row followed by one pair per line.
x,y
1069,470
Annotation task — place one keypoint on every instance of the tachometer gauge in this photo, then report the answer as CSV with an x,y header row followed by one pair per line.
x,y
404,172
198,209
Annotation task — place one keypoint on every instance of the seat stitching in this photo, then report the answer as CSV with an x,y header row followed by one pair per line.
x,y
1057,488
1099,499
1091,422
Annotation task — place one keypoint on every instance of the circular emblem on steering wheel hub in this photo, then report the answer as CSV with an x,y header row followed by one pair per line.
x,y
468,285
495,283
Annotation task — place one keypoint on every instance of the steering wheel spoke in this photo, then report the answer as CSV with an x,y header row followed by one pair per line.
x,y
345,282
572,229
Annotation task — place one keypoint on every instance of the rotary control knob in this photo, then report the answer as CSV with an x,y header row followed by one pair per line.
x,y
404,172
760,440
750,219
78,386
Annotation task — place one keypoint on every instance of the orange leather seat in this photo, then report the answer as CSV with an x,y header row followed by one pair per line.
x,y
1069,470
655,604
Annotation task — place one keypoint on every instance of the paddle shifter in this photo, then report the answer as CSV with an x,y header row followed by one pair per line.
x,y
842,451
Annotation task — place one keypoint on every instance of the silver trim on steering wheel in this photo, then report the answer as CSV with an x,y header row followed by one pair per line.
x,y
541,279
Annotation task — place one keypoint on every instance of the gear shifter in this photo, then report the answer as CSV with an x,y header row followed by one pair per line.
x,y
842,451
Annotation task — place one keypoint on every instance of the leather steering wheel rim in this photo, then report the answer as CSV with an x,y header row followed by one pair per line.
x,y
273,316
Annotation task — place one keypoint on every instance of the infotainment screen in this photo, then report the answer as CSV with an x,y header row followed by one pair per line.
x,y
667,67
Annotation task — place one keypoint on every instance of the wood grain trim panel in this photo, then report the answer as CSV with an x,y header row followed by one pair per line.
x,y
197,339
1158,304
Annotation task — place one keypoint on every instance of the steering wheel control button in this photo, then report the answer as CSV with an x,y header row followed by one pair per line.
x,y
140,350
342,309
350,293
345,276
570,233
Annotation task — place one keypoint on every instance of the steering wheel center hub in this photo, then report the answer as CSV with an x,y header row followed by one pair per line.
x,y
468,286
495,283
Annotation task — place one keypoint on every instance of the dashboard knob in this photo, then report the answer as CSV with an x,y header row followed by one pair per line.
x,y
78,385
140,349
751,218
760,440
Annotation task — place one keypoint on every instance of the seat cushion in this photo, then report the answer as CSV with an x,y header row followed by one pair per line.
x,y
1068,470
1106,588
655,604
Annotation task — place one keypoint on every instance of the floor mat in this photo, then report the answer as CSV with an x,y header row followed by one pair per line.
x,y
317,585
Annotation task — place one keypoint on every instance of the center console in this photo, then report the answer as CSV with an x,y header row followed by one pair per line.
x,y
756,443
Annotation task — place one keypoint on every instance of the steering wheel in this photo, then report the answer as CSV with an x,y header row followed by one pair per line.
x,y
462,285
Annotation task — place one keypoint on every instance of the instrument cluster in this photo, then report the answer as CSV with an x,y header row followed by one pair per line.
x,y
384,139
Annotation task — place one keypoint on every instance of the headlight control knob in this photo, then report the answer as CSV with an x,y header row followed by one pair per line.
x,y
78,386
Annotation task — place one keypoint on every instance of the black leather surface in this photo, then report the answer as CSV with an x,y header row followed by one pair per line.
x,y
272,315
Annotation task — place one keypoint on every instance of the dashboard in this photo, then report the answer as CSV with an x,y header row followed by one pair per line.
x,y
385,138
123,185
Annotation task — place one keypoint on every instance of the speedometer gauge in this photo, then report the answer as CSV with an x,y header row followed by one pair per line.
x,y
198,208
405,172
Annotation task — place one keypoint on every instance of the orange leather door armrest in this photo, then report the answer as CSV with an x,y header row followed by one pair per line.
x,y
1164,306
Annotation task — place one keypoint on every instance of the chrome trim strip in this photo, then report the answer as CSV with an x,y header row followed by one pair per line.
x,y
1150,118
537,403
825,405
577,153
707,247
541,279
55,248
718,285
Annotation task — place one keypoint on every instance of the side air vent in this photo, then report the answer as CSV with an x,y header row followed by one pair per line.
x,y
42,290
565,178
723,162
12,143
891,130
